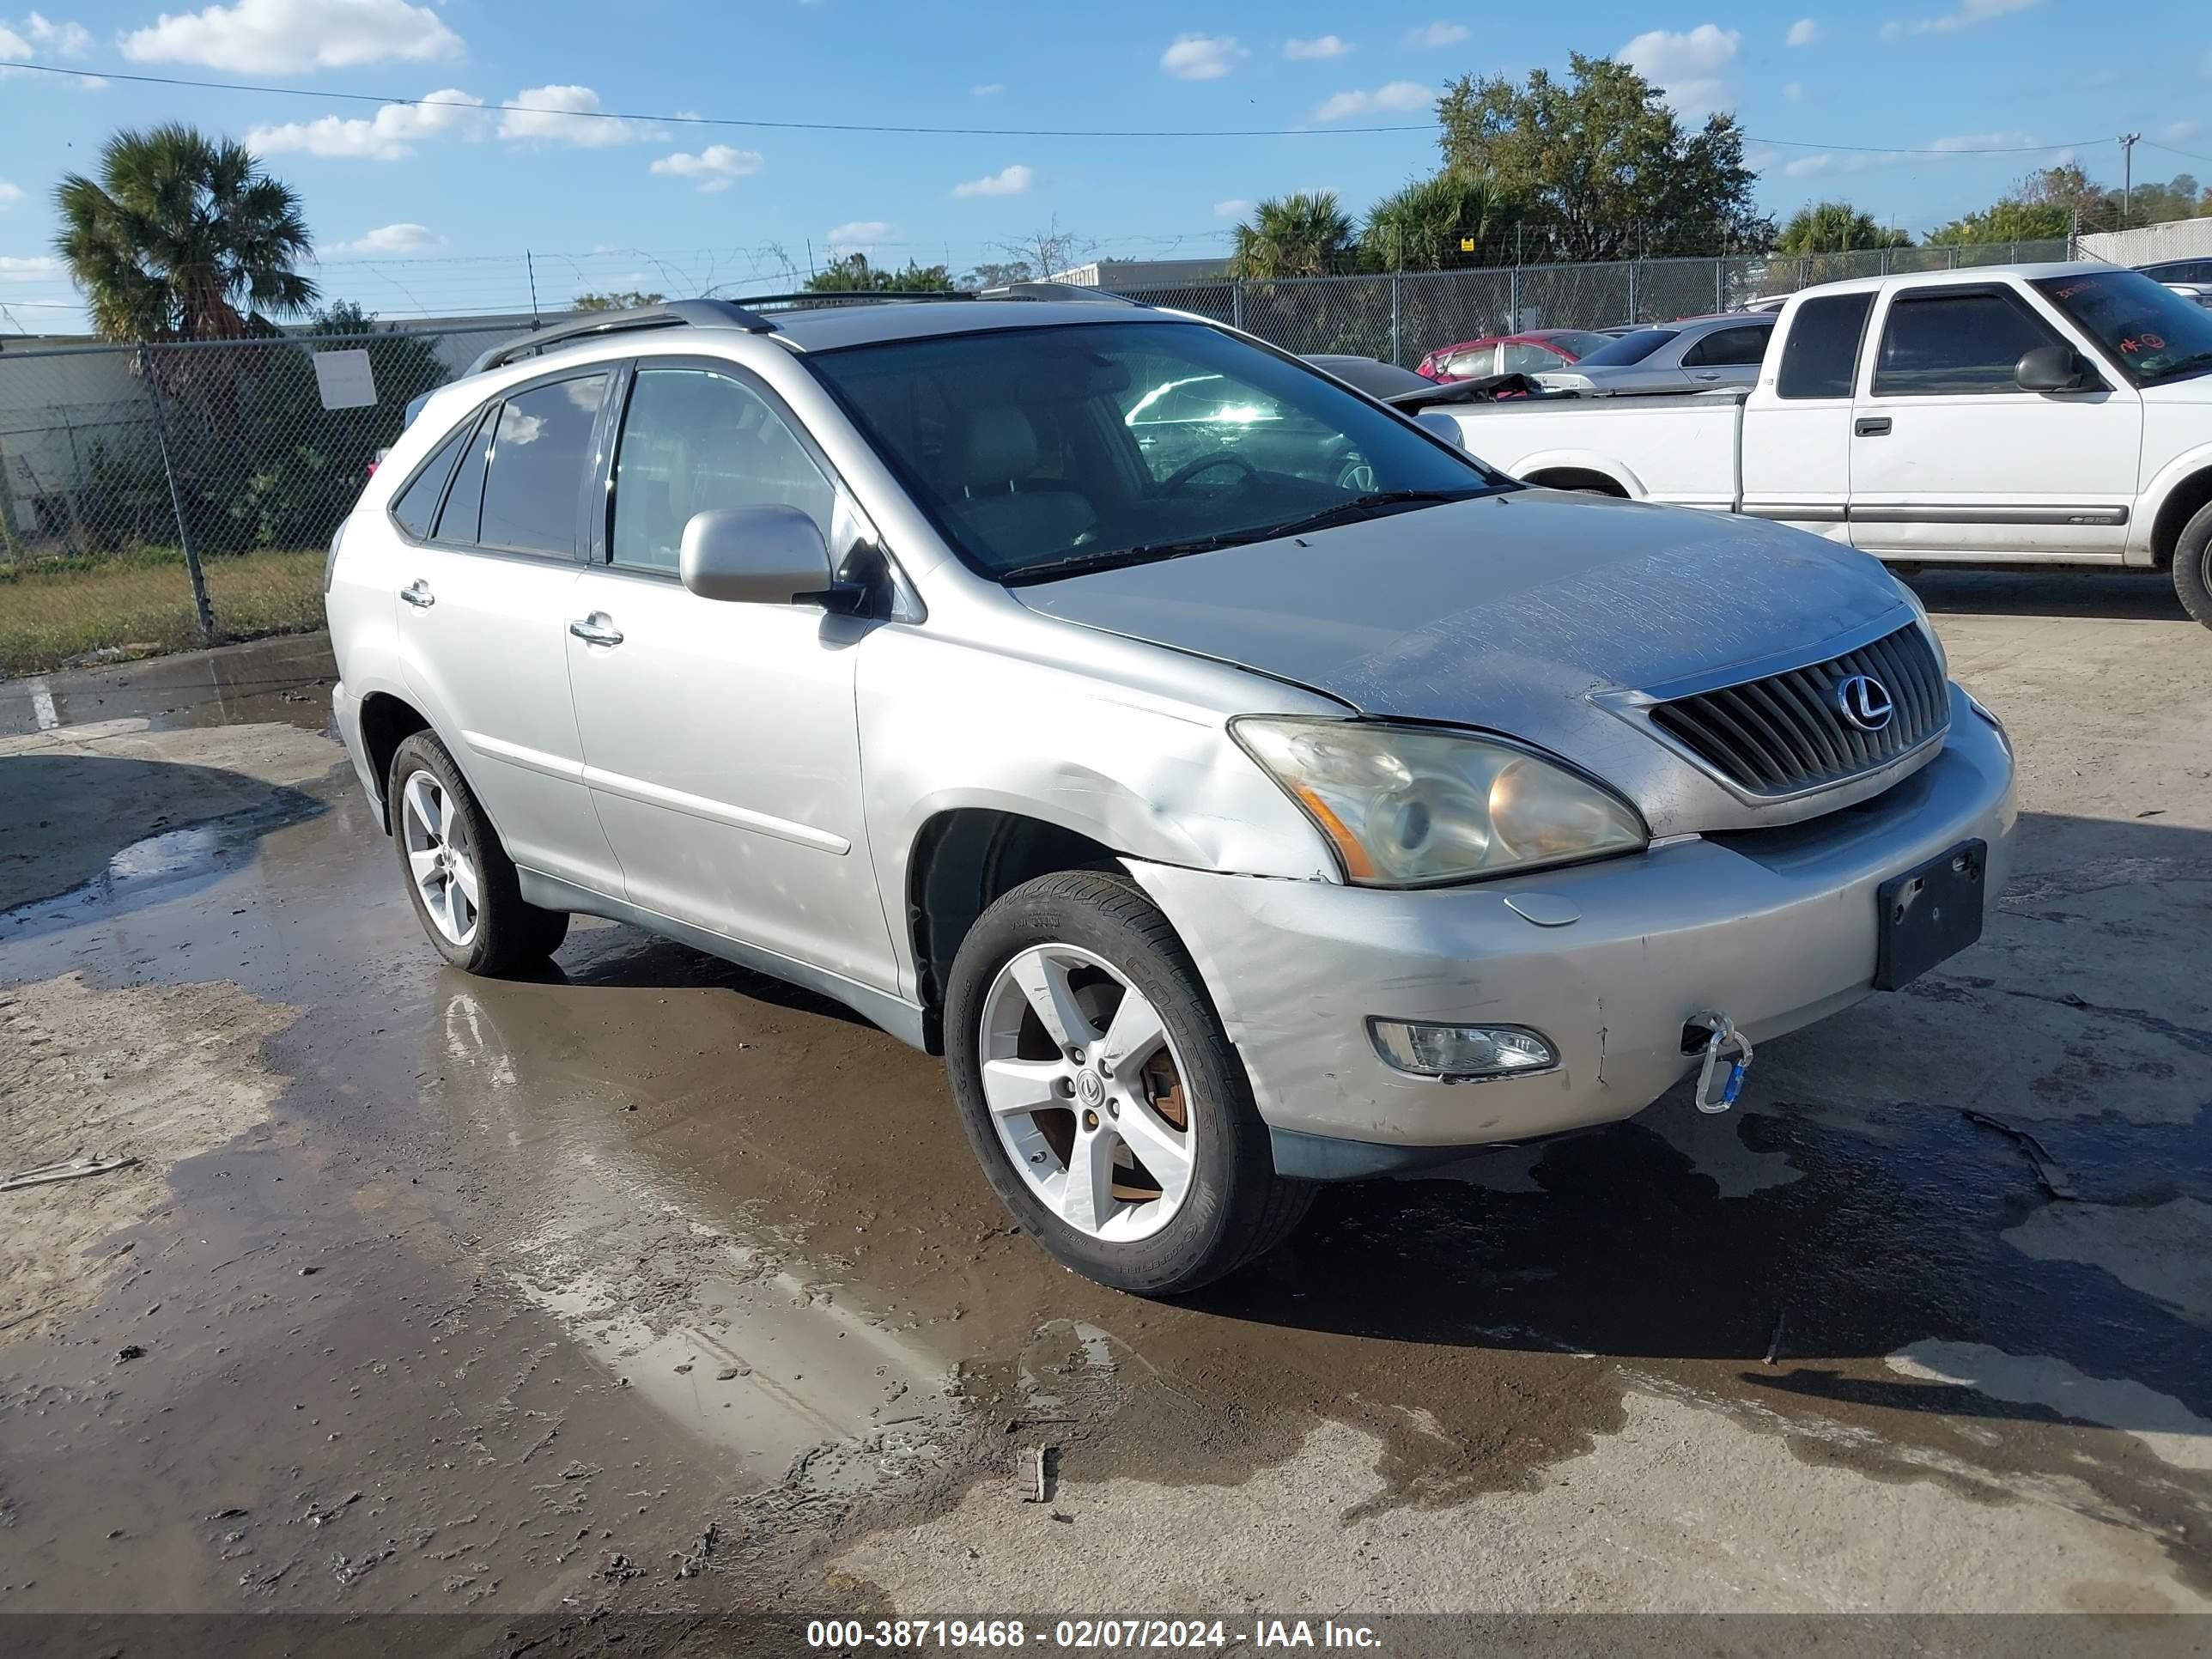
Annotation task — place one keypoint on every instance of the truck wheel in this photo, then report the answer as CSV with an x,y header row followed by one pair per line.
x,y
1109,1111
2192,566
460,878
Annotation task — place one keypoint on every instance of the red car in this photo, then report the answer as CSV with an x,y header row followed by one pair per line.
x,y
1531,353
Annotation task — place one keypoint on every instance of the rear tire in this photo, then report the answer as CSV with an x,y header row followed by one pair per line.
x,y
2192,566
446,849
1088,943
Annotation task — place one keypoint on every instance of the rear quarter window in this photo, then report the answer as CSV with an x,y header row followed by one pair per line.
x,y
417,507
1823,348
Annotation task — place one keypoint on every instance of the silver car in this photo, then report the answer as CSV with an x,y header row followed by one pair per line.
x,y
1228,827
1693,356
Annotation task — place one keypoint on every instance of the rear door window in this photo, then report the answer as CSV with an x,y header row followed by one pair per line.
x,y
465,502
1818,358
1731,347
541,451
1947,343
418,505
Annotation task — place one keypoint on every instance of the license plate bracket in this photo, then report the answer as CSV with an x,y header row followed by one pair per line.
x,y
1930,913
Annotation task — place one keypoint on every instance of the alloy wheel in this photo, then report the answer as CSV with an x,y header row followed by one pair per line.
x,y
445,872
1086,1090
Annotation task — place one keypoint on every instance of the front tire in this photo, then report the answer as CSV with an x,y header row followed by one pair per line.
x,y
1108,1107
459,876
2192,566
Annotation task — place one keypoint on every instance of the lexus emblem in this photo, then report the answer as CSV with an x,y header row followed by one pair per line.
x,y
1864,701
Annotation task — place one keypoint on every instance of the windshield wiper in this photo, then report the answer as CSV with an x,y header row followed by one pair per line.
x,y
1340,513
1360,505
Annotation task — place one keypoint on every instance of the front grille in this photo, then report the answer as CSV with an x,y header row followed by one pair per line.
x,y
1787,733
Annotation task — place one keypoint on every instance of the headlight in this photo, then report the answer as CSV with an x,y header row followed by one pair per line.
x,y
1405,807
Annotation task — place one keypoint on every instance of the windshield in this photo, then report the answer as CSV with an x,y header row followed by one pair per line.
x,y
2152,332
1629,348
1042,452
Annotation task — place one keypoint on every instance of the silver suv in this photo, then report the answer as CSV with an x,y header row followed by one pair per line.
x,y
1295,800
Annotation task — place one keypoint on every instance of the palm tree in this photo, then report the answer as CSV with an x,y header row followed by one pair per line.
x,y
1303,234
1420,227
182,237
1836,228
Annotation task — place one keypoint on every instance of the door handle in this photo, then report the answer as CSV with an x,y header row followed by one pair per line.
x,y
417,592
1870,425
597,629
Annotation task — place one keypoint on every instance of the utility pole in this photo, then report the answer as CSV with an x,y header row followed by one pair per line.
x,y
2128,143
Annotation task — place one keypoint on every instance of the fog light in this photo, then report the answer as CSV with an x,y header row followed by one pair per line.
x,y
1468,1051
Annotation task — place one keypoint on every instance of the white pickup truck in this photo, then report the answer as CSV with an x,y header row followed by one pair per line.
x,y
2027,415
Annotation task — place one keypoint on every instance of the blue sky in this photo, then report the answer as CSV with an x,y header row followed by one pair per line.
x,y
429,210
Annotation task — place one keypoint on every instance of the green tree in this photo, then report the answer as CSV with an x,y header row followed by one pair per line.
x,y
182,237
1421,225
1836,228
1602,166
854,274
2007,219
1302,234
628,299
998,273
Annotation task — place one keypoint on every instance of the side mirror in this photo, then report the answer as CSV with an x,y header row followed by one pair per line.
x,y
769,554
2054,368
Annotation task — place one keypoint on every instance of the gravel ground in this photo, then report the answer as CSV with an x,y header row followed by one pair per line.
x,y
651,1285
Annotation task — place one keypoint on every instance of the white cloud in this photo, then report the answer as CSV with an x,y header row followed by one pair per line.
x,y
989,89
1973,141
394,239
1398,95
1969,13
92,83
1322,45
1235,208
68,40
1806,166
858,236
1690,67
1794,91
1202,57
1437,35
564,115
1006,181
269,37
390,135
13,44
2177,131
1804,32
716,167
9,195
39,264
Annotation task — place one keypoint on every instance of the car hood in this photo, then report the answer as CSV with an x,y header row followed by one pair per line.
x,y
1521,613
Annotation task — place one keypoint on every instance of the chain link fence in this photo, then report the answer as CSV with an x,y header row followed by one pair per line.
x,y
1401,318
157,498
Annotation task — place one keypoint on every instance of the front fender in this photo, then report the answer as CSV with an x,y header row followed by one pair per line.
x,y
945,726
2151,503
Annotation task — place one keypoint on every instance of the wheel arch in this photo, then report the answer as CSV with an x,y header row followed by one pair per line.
x,y
963,859
2183,500
386,721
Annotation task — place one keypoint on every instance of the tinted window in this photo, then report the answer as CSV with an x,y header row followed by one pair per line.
x,y
458,523
1474,365
2180,271
1526,358
694,440
1954,344
1629,348
540,450
1034,449
418,502
2153,332
1579,345
1823,349
1734,347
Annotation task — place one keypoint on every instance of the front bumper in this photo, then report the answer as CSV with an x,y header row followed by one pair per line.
x,y
1774,928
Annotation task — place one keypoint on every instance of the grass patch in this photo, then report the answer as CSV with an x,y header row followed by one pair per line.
x,y
51,613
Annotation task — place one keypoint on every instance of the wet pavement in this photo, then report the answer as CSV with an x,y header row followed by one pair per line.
x,y
654,1283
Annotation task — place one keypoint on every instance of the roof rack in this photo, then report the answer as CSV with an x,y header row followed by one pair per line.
x,y
730,313
672,314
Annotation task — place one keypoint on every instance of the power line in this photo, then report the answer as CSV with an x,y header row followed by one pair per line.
x,y
2185,155
942,132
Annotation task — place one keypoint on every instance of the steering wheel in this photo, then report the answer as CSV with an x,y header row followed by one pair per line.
x,y
1183,474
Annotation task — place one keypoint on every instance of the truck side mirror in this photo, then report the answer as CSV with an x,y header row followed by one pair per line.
x,y
2054,368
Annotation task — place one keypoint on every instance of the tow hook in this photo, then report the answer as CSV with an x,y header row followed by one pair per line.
x,y
1725,1044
